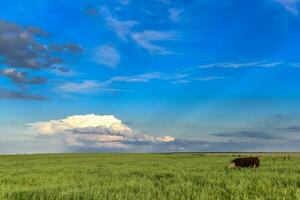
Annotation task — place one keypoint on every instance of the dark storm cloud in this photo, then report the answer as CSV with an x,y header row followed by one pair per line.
x,y
63,69
72,48
25,47
55,47
20,48
246,134
7,94
22,77
38,32
180,145
294,128
91,11
96,131
29,48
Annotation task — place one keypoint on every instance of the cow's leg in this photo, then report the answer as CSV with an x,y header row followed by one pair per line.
x,y
255,167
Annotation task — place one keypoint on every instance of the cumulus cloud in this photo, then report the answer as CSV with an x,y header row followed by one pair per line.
x,y
290,5
21,77
86,86
95,131
107,55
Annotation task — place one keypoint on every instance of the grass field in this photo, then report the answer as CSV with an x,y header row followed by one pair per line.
x,y
147,176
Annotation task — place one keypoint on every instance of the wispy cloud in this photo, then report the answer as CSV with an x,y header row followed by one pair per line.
x,y
107,55
92,86
210,78
247,134
87,86
290,5
180,81
146,40
175,15
294,128
125,2
122,28
164,1
297,65
236,65
137,78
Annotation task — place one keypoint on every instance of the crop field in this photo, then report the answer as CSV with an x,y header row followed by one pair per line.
x,y
147,176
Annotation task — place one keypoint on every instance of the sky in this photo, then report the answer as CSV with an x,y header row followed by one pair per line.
x,y
149,76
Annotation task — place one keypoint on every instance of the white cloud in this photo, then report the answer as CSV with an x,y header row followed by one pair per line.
x,y
78,121
164,1
146,40
173,78
241,65
93,86
290,5
124,2
107,55
138,78
180,81
175,15
270,64
125,30
121,27
105,131
210,78
86,86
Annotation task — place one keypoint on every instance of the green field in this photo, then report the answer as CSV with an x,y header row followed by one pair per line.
x,y
147,176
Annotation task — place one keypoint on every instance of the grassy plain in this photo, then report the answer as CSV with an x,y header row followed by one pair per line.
x,y
147,176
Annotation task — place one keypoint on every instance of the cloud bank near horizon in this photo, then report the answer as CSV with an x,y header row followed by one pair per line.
x,y
95,131
106,133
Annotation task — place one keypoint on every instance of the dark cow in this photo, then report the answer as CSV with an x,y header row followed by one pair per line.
x,y
245,162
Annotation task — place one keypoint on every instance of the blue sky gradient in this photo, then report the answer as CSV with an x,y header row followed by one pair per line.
x,y
211,75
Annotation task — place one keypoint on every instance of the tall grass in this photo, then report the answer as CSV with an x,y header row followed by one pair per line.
x,y
146,176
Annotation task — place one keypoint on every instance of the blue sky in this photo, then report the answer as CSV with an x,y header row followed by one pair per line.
x,y
149,76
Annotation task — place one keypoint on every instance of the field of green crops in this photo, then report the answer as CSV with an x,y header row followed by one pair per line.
x,y
147,176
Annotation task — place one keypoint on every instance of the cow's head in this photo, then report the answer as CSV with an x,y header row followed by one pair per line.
x,y
231,165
